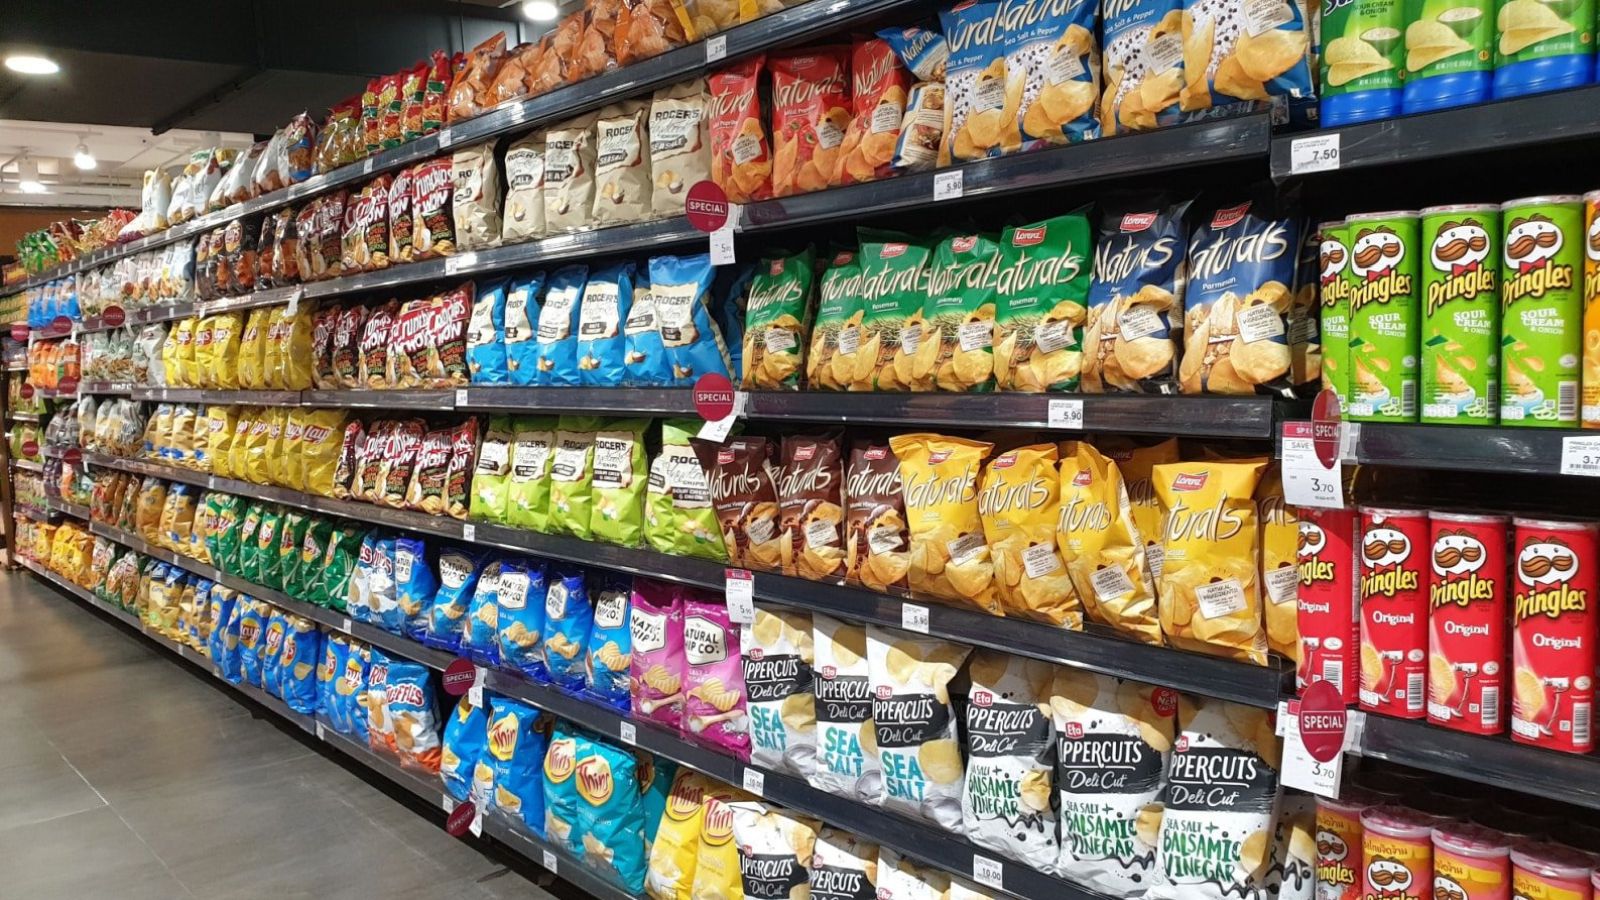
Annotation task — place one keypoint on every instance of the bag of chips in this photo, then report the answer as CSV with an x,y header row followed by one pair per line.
x,y
670,873
949,557
679,518
745,499
878,103
810,117
352,690
846,743
528,488
486,348
569,163
680,286
568,616
957,351
302,647
741,162
313,550
1209,587
915,725
775,849
415,585
610,814
520,620
556,339
266,549
271,650
344,549
714,698
610,645
1135,318
810,486
622,190
1103,548
490,474
618,483
877,544
459,571
656,669
602,311
780,687
777,319
252,631
1020,507
518,737
1042,301
571,476
475,204
1280,540
836,334
348,333
465,747
894,283
330,673
561,788
524,206
223,644
523,312
717,867
644,356
1009,803
408,693
480,634
902,879
680,141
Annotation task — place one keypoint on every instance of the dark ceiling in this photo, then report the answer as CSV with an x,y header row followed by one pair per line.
x,y
236,65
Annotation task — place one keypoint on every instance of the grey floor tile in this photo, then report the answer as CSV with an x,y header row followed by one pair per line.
x,y
43,790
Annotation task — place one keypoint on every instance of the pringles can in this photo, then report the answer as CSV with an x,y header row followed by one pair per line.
x,y
1449,53
1591,311
1543,46
1553,633
1363,60
1333,298
1384,316
1541,310
1471,862
1461,314
1397,853
1329,636
1394,611
1467,621
1339,848
1550,871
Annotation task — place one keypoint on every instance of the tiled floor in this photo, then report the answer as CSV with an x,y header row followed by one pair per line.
x,y
124,775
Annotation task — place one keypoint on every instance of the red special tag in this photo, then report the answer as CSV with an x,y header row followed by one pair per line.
x,y
67,385
72,456
1323,718
706,206
1325,416
713,397
460,819
62,323
30,448
27,391
458,677
113,317
19,332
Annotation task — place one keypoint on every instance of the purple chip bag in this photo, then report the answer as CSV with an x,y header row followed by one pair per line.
x,y
714,711
656,669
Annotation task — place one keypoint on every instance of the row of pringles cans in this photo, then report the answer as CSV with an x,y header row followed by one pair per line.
x,y
1465,315
1440,615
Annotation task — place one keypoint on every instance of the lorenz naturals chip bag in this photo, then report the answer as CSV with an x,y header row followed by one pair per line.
x,y
877,544
741,163
981,106
949,558
915,725
958,354
893,288
878,101
836,335
1280,562
1056,57
811,507
1144,57
810,96
1135,464
1233,52
1215,844
1008,803
745,499
1103,548
777,315
1019,503
1042,292
1210,585
1136,297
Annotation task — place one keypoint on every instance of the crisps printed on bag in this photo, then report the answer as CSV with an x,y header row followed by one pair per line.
x,y
810,487
949,556
877,543
810,116
1104,550
1042,294
680,286
556,338
741,162
602,311
523,313
1019,504
914,725
1144,66
775,849
894,282
466,738
490,474
714,712
878,93
1053,63
836,334
957,354
572,476
1136,297
1008,803
568,616
777,319
981,104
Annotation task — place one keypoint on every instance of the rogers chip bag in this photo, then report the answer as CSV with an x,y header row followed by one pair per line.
x,y
779,683
714,711
1019,503
556,359
1210,586
680,286
679,518
1008,803
1103,548
622,164
572,476
741,163
915,725
680,143
617,487
569,162
607,296
810,99
949,556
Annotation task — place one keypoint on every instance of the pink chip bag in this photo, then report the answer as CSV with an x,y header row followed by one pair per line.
x,y
656,670
714,712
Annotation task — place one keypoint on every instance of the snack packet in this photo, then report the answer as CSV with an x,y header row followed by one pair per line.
x,y
715,712
777,317
1020,505
914,724
1103,547
1043,291
949,556
1008,803
655,624
780,686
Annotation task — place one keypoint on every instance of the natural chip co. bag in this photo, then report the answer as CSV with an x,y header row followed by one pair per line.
x,y
836,334
810,480
1217,844
1008,803
778,680
894,278
745,499
915,725
1018,503
1102,546
777,314
949,557
714,707
1144,57
846,742
957,354
980,105
877,544
1042,291
1242,260
1210,586
1233,53
1112,742
1136,297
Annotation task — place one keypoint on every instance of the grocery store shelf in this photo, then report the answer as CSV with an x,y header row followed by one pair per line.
x,y
106,387
1571,778
423,399
52,331
22,417
1469,448
634,401
1464,131
28,465
29,511
75,510
142,315
196,395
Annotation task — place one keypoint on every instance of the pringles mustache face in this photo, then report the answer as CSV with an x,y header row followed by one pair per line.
x,y
1545,561
1382,546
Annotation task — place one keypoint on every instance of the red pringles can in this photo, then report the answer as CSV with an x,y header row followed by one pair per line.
x,y
1327,599
1394,611
1467,622
1553,633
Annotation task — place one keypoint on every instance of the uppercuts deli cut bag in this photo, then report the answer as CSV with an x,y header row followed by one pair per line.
x,y
949,556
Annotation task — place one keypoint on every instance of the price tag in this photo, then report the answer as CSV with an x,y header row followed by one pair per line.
x,y
1300,769
755,781
1580,456
1066,414
449,803
475,693
475,827
344,626
947,185
627,733
1317,153
469,532
914,617
718,431
988,872
550,861
722,245
322,734
459,262
739,586
367,164
294,301
461,396
1306,480
716,48
444,138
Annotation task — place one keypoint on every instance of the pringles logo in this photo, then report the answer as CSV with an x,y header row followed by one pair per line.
x,y
1546,567
1460,253
1532,245
1375,257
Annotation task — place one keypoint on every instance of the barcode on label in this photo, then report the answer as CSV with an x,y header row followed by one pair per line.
x,y
1414,691
1567,401
1333,673
1408,398
1580,723
1491,706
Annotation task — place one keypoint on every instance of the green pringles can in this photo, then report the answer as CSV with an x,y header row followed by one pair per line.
x,y
1333,299
1461,314
1541,317
1385,313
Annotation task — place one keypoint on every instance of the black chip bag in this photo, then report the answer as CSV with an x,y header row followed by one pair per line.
x,y
1135,324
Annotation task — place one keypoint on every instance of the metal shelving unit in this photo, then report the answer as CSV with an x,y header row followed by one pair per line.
x,y
1467,448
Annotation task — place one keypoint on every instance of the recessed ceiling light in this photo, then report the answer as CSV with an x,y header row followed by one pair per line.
x,y
540,10
83,159
31,65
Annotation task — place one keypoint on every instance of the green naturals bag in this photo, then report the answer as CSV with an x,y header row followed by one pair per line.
x,y
957,353
1043,291
344,549
836,335
776,319
894,285
528,503
617,488
679,518
313,548
290,535
490,475
248,566
571,470
267,573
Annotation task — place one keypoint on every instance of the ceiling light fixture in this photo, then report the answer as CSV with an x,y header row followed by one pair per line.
x,y
28,177
26,64
540,10
83,159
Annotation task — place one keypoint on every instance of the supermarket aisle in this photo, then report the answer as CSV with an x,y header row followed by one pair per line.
x,y
123,775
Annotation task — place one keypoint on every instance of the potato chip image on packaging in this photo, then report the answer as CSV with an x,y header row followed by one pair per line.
x,y
846,743
775,850
569,162
958,351
1232,52
556,337
655,623
914,724
878,102
527,483
810,485
1112,742
1209,584
678,515
1102,546
610,824
1144,60
524,294
779,687
777,322
741,162
1042,302
1280,565
949,555
670,874
1008,803
877,544
836,334
893,291
1217,844
1136,297
810,115
1056,59
981,104
745,499
844,866
1019,504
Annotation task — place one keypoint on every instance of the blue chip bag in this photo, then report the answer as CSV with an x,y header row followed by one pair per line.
x,y
358,591
561,788
521,622
414,586
330,674
200,613
568,615
921,50
556,339
518,736
226,609
466,744
610,641
374,701
486,346
272,652
459,568
656,774
645,359
382,601
607,297
252,631
302,650
1056,62
1137,290
480,638
351,710
680,286
521,317
976,36
610,822
413,715
730,295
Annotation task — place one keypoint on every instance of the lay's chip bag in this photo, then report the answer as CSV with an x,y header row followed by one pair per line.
x,y
1019,503
219,428
252,350
1103,548
321,441
611,814
520,623
227,333
272,652
618,484
516,755
556,338
528,491
1210,588
466,739
572,475
330,672
610,646
949,556
568,617
302,647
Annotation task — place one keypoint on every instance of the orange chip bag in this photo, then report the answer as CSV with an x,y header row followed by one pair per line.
x,y
810,98
1104,549
1019,503
879,87
741,162
949,555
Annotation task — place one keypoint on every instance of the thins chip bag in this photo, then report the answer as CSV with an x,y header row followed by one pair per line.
x,y
572,476
916,734
1043,293
878,103
1217,740
1136,297
1009,803
949,556
1109,813
810,114
556,352
777,318
981,106
1103,548
617,487
894,327
836,335
1019,504
714,711
672,855
779,683
1210,586
610,814
810,487
680,286
775,849
655,622
745,499
877,544
466,736
717,867
741,162
516,754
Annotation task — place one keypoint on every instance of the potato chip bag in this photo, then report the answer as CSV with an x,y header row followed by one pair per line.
x,y
313,550
745,498
836,334
677,842
178,354
1112,742
981,105
1224,64
1008,803
894,282
717,868
490,475
775,849
180,442
425,492
411,709
1209,587
843,866
949,556
252,350
271,649
556,337
568,615
486,347
623,185
810,115
227,331
777,318
458,476
221,424
1144,66
223,644
741,162
1136,297
322,328
520,625
157,432
321,441
459,571
272,350
878,102
644,355
960,314
680,286
1043,291
915,725
679,518
276,459
1216,844
152,500
528,489
609,649
268,573
1053,62
877,544
344,548
480,634
518,738
204,354
680,139
373,350
779,683
1280,542
345,352
655,623
466,738
1019,503
522,316
1103,548
714,705
810,484
302,647
1135,463
611,814
295,360
330,675
572,476
561,790
601,314
901,878
569,167
618,483
247,564
353,691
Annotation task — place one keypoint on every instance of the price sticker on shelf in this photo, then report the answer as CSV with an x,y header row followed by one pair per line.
x,y
461,396
716,48
295,296
627,733
367,164
460,262
444,138
1307,479
1316,153
988,872
914,617
475,693
1066,414
1580,456
755,781
739,587
322,733
550,861
947,185
722,245
469,532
